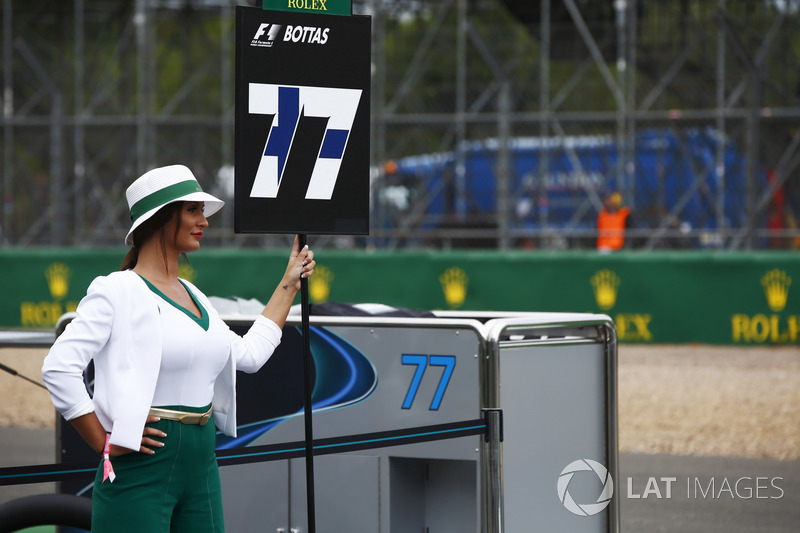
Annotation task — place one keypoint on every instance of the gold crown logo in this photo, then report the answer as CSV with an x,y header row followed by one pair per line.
x,y
58,275
605,284
187,272
319,285
454,285
776,289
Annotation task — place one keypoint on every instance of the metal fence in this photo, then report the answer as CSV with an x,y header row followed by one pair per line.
x,y
496,123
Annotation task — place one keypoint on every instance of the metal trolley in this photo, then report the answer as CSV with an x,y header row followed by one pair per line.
x,y
456,422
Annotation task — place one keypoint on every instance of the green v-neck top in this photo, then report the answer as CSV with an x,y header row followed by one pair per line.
x,y
201,321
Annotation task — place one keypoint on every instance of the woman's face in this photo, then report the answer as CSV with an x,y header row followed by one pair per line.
x,y
191,224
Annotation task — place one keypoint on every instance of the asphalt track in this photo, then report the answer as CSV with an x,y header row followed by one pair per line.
x,y
656,493
766,500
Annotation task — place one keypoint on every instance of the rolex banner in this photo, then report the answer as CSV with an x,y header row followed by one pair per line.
x,y
302,123
740,298
323,7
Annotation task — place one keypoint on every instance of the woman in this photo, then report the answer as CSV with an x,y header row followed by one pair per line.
x,y
162,359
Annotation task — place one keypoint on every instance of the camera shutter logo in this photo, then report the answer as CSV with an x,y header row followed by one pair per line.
x,y
585,509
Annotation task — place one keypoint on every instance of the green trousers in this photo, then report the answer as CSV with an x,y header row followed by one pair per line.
x,y
175,490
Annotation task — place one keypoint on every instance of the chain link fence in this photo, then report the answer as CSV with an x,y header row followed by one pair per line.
x,y
496,124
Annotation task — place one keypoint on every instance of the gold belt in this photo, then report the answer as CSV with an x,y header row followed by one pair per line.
x,y
183,417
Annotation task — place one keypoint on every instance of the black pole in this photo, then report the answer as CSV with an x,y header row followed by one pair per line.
x,y
15,373
307,390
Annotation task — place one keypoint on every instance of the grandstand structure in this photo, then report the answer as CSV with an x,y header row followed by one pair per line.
x,y
96,92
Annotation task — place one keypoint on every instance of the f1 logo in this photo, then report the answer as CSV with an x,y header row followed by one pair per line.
x,y
262,29
287,103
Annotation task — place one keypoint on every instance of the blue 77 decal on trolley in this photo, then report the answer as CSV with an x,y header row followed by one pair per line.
x,y
288,103
422,362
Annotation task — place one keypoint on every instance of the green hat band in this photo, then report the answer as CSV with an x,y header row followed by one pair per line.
x,y
163,197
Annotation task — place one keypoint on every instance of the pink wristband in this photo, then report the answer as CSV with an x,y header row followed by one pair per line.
x,y
108,470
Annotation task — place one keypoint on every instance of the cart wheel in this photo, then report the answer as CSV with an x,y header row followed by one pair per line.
x,y
45,510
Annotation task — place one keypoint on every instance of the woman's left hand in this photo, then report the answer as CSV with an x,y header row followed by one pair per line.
x,y
301,264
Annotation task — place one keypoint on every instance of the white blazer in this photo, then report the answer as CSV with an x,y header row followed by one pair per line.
x,y
118,326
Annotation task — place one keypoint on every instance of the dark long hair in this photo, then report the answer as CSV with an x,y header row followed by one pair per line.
x,y
156,224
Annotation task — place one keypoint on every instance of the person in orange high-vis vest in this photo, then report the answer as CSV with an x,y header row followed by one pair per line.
x,y
611,223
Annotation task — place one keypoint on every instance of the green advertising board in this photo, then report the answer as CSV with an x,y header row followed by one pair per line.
x,y
320,7
660,297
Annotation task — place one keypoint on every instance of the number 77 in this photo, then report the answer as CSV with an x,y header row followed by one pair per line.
x,y
421,362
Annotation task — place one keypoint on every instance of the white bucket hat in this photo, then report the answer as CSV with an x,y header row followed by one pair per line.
x,y
161,186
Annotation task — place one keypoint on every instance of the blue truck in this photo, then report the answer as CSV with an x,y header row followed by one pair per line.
x,y
557,183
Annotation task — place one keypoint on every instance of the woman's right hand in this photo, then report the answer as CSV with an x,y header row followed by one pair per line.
x,y
148,440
